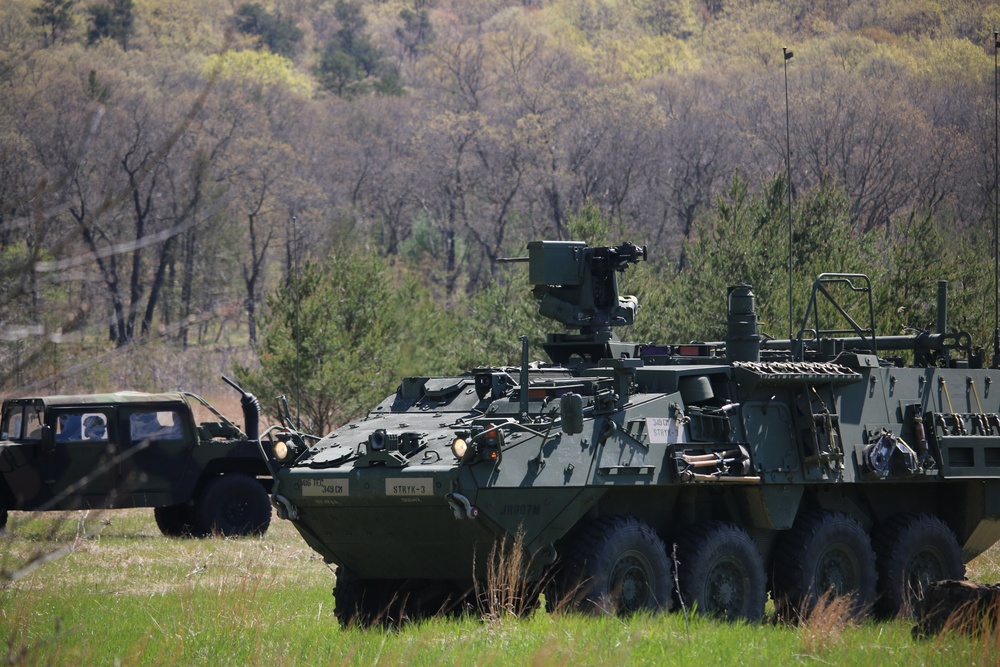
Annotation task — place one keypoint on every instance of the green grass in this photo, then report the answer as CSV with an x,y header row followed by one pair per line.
x,y
123,594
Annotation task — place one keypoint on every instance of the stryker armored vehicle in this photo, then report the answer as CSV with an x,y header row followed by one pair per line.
x,y
132,449
802,467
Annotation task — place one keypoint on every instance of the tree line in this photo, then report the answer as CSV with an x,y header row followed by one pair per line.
x,y
164,166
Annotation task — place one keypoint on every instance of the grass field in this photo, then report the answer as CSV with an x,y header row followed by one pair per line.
x,y
123,594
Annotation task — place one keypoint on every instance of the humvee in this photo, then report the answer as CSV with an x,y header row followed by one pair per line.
x,y
131,449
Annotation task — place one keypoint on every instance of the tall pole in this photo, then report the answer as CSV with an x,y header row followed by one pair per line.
x,y
788,184
996,204
293,274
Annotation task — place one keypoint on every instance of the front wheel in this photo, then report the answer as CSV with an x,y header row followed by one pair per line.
x,y
233,504
616,565
391,603
367,602
720,572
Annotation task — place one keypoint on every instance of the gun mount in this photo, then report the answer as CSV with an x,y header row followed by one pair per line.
x,y
577,286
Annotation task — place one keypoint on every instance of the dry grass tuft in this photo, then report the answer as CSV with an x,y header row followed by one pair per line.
x,y
507,593
822,629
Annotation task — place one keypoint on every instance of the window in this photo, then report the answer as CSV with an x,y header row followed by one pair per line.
x,y
23,423
12,423
95,427
155,425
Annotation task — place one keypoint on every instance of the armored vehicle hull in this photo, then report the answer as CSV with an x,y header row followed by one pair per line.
x,y
738,469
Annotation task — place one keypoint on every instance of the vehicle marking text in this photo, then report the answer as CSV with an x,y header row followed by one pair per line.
x,y
321,487
418,486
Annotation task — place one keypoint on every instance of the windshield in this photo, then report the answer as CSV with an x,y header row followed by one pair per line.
x,y
22,423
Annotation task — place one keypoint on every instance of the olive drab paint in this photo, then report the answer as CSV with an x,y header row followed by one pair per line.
x,y
834,461
132,449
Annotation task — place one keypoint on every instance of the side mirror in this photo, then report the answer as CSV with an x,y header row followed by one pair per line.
x,y
571,413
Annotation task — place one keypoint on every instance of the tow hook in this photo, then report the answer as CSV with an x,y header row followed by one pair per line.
x,y
286,510
461,506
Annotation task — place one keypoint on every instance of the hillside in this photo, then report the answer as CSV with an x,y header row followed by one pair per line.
x,y
167,164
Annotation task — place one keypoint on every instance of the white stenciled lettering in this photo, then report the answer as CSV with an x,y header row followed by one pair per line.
x,y
420,486
665,430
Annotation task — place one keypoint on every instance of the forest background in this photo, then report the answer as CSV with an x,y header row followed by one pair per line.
x,y
314,194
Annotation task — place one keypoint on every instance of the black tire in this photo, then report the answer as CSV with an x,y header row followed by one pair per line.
x,y
913,551
389,603
721,573
175,520
3,519
615,565
825,553
360,602
232,505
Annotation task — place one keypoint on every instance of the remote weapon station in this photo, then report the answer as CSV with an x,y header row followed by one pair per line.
x,y
736,469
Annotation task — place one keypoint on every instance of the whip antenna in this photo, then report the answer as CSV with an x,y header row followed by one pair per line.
x,y
996,207
788,178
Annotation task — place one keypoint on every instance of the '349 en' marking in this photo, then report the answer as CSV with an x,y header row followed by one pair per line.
x,y
322,487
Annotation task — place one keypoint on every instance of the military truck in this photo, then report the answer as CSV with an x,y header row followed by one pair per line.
x,y
833,462
131,449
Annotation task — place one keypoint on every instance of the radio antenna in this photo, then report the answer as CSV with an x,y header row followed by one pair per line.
x,y
996,204
788,184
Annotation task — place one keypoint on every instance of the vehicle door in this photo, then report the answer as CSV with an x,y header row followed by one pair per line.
x,y
82,456
157,455
22,465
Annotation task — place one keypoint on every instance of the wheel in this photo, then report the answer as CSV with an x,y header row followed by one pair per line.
x,y
721,572
364,602
824,553
391,602
3,519
174,520
233,504
913,551
615,565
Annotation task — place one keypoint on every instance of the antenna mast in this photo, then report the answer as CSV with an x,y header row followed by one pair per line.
x,y
788,178
996,206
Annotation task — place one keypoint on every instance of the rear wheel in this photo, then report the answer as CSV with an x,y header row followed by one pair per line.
x,y
233,504
721,572
912,552
615,565
825,553
175,520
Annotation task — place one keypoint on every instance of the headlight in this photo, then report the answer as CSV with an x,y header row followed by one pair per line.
x,y
286,448
459,447
281,450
